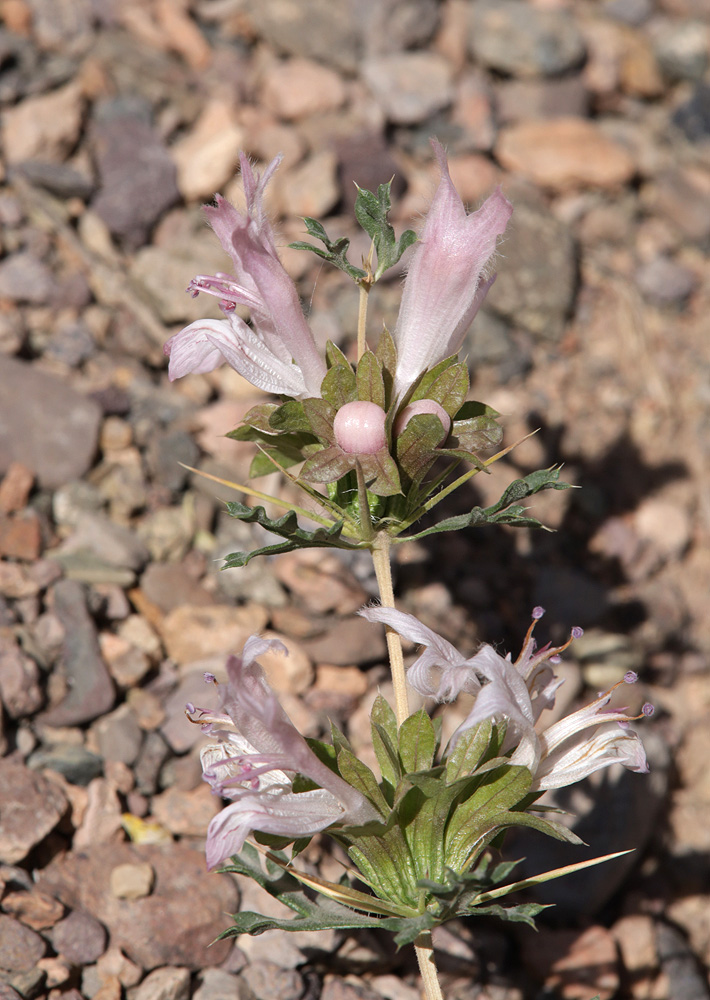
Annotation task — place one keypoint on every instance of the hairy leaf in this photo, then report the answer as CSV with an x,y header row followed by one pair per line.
x,y
288,528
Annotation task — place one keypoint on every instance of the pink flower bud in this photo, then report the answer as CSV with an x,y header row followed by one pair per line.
x,y
423,406
360,428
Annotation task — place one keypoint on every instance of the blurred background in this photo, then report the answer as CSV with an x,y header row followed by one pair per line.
x,y
118,119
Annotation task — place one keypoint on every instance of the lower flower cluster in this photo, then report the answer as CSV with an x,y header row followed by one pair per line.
x,y
418,834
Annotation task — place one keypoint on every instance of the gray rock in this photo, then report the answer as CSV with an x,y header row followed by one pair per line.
x,y
91,690
168,586
409,86
396,25
32,807
512,36
633,12
19,689
45,424
118,735
111,543
165,454
72,344
148,766
78,765
536,273
58,178
338,40
216,984
20,947
137,176
269,982
685,980
692,117
488,341
79,938
552,98
165,984
665,282
682,50
73,501
25,278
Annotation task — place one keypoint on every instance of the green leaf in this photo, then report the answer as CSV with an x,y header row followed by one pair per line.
x,y
290,416
473,408
505,510
487,809
335,251
407,929
524,913
327,466
339,386
258,417
476,434
381,473
334,356
472,748
320,414
288,528
383,727
420,389
448,389
417,742
416,446
313,914
387,356
372,211
284,453
359,775
370,386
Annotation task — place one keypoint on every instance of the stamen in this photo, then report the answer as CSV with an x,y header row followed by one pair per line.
x,y
630,677
555,659
209,678
577,632
648,709
538,612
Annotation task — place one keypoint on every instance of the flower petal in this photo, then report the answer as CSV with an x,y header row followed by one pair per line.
x,y
283,814
444,287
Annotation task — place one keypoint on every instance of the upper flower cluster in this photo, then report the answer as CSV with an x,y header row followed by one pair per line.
x,y
517,693
443,291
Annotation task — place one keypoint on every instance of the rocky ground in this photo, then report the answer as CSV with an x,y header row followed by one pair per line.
x,y
118,118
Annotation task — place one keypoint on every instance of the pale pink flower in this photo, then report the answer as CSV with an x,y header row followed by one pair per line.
x,y
278,353
517,693
446,281
255,747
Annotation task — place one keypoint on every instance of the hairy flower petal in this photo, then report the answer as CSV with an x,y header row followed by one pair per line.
x,y
286,815
445,284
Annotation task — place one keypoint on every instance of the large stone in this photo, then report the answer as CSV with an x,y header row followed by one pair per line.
x,y
193,633
536,273
45,424
289,25
46,126
410,86
515,37
208,155
563,154
138,179
174,925
31,808
91,690
20,947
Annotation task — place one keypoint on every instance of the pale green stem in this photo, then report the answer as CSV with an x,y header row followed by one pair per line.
x,y
427,966
362,319
383,572
365,518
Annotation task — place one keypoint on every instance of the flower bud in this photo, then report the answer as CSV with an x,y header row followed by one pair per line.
x,y
359,428
423,406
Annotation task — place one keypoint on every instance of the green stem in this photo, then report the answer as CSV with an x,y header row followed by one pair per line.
x,y
362,318
427,966
383,572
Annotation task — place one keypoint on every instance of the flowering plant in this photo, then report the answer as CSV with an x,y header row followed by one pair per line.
x,y
376,446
